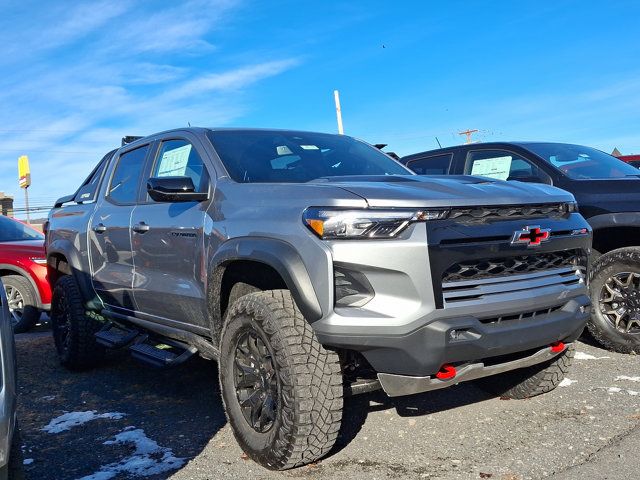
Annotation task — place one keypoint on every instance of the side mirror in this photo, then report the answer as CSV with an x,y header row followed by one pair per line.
x,y
174,189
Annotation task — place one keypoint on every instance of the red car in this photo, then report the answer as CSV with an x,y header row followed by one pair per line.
x,y
23,268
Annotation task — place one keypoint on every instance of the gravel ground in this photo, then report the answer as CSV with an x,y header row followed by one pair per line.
x,y
587,429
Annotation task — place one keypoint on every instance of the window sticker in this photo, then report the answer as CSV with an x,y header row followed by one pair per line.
x,y
174,162
497,168
283,150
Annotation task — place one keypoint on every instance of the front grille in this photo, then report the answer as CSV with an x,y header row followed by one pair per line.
x,y
521,316
515,212
502,267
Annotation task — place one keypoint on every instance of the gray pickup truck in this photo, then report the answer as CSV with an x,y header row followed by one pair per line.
x,y
313,266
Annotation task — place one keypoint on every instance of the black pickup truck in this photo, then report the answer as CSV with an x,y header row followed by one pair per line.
x,y
608,194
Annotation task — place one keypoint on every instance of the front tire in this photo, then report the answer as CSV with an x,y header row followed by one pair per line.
x,y
73,331
23,305
615,296
282,390
530,381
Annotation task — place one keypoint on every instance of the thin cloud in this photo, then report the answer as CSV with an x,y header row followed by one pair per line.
x,y
123,72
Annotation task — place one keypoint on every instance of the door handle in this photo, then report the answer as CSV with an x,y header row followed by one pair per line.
x,y
100,228
141,227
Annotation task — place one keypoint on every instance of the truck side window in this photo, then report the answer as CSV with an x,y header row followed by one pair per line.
x,y
504,165
434,165
89,189
178,158
126,177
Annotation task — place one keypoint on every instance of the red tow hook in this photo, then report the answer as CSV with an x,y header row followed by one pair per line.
x,y
446,372
557,347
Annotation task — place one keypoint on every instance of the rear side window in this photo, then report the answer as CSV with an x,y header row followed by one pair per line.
x,y
89,189
126,177
178,158
504,165
434,165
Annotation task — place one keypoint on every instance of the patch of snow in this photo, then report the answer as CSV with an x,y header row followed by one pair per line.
x,y
587,356
27,461
48,398
624,377
566,382
69,420
100,476
633,393
148,459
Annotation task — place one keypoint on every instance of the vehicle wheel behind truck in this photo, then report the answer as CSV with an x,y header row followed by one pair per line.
x,y
615,299
530,381
73,331
281,389
22,303
13,469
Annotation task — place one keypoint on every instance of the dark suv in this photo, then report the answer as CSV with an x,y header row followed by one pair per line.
x,y
313,266
608,195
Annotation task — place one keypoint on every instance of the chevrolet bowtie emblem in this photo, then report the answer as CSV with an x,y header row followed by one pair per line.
x,y
531,236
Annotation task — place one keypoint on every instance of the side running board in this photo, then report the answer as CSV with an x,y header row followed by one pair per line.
x,y
112,336
162,353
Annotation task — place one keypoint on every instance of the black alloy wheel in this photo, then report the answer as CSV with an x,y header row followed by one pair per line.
x,y
620,301
255,381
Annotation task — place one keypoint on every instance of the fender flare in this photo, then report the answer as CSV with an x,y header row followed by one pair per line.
x,y
66,249
279,255
25,274
612,220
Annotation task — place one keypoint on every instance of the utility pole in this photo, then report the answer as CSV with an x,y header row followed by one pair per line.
x,y
336,96
468,133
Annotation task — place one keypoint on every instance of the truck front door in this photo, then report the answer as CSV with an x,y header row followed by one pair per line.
x,y
168,243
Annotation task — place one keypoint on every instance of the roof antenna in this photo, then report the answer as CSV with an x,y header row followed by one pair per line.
x,y
439,146
189,123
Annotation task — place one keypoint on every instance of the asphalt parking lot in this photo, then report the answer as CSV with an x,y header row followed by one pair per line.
x,y
146,423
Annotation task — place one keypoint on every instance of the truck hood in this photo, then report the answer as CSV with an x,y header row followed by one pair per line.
x,y
601,196
23,247
446,191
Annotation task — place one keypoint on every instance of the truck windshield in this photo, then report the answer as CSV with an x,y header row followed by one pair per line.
x,y
281,156
13,231
579,162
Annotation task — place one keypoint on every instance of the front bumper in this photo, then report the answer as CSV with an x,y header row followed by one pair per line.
x,y
445,337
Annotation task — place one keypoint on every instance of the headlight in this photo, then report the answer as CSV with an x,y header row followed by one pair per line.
x,y
572,207
330,223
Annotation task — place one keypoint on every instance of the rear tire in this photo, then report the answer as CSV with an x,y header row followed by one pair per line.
x,y
23,304
268,345
613,330
73,331
530,381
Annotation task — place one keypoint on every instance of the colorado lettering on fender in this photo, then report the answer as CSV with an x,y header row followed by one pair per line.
x,y
183,234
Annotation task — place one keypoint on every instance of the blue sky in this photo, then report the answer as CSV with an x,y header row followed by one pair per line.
x,y
77,76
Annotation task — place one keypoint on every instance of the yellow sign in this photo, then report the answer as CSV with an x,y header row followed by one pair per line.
x,y
24,174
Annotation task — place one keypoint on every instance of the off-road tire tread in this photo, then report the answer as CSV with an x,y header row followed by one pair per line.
x,y
530,381
84,351
30,314
310,376
620,344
